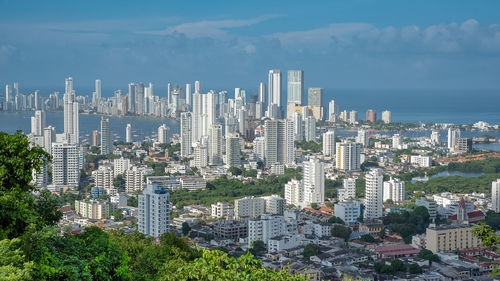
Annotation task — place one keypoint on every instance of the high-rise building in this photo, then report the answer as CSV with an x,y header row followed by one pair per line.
x,y
134,179
95,138
386,116
131,97
274,84
495,196
49,136
435,137
371,115
201,154
262,93
295,83
196,122
265,228
394,189
106,137
310,128
397,141
315,97
463,145
188,94
38,123
298,127
120,165
347,156
362,137
233,150
329,143
314,182
279,142
215,145
103,177
374,194
186,134
249,207
294,192
97,94
65,164
163,134
453,134
333,111
128,134
349,190
69,85
154,211
353,116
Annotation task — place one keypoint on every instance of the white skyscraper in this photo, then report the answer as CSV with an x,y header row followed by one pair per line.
x,y
294,192
215,145
298,127
201,154
154,211
435,137
262,93
394,189
69,85
387,116
38,123
197,87
314,182
65,164
76,123
233,150
188,94
208,113
310,128
274,91
186,134
128,134
279,142
453,134
362,137
106,137
295,86
495,196
347,156
163,134
97,94
329,143
349,190
333,111
397,141
353,116
49,136
374,194
196,118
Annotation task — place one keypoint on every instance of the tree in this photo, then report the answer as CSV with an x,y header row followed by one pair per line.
x,y
334,220
185,228
414,268
119,182
235,171
488,239
314,206
367,238
341,231
208,236
428,255
258,248
398,265
132,201
12,262
311,250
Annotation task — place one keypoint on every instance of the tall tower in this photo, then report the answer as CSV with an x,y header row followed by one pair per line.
x,y
38,123
329,143
274,85
333,111
453,134
233,153
106,139
196,117
185,131
295,86
163,134
495,196
128,134
371,115
154,211
347,156
188,94
374,194
76,123
279,142
262,93
215,145
314,181
131,97
69,85
65,164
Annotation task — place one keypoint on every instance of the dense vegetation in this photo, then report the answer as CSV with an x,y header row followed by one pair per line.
x,y
309,146
407,223
32,248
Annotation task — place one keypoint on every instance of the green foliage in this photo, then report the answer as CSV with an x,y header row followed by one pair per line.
x,y
331,187
235,171
336,220
341,231
95,150
428,255
398,265
408,224
395,266
258,248
454,184
367,238
119,182
314,206
311,250
217,265
360,187
185,228
133,201
12,262
118,214
493,219
415,269
208,236
249,173
310,146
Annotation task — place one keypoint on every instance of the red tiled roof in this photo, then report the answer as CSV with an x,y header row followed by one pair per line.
x,y
326,209
474,215
401,249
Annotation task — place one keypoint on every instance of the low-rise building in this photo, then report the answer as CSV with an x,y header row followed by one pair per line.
x,y
92,209
349,211
230,229
450,238
222,210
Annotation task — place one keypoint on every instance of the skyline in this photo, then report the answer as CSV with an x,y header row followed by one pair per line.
x,y
340,45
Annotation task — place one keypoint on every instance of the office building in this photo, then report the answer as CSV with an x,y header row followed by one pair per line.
x,y
362,138
429,204
495,196
394,190
265,228
279,142
186,134
450,238
92,209
233,150
128,133
386,116
374,194
249,207
274,85
38,123
215,156
65,164
154,211
333,111
314,182
463,145
329,143
163,134
347,156
371,115
348,191
120,165
453,134
106,137
103,177
295,83
349,211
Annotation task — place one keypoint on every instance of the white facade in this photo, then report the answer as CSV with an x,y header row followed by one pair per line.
x,y
249,207
397,141
349,211
222,210
329,143
362,137
394,189
154,211
128,133
495,196
92,209
314,182
275,205
65,164
200,155
103,177
279,142
349,190
374,194
38,123
298,127
295,86
347,157
386,116
435,137
163,134
333,111
294,192
421,161
134,180
215,145
453,134
120,165
265,228
274,84
186,134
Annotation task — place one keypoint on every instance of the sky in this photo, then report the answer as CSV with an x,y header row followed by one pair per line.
x,y
349,44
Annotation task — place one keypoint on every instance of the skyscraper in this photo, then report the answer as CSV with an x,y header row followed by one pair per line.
x,y
347,157
309,128
274,84
188,94
163,136
329,143
215,145
49,136
97,94
435,137
298,127
65,164
453,134
333,111
314,182
154,211
315,97
106,137
68,85
279,142
38,123
374,194
386,116
262,93
128,134
233,150
295,83
95,138
495,196
131,98
371,115
196,117
362,137
185,134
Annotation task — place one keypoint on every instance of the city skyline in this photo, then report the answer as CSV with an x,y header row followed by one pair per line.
x,y
339,45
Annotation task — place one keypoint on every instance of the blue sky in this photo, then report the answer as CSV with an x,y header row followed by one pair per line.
x,y
225,44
